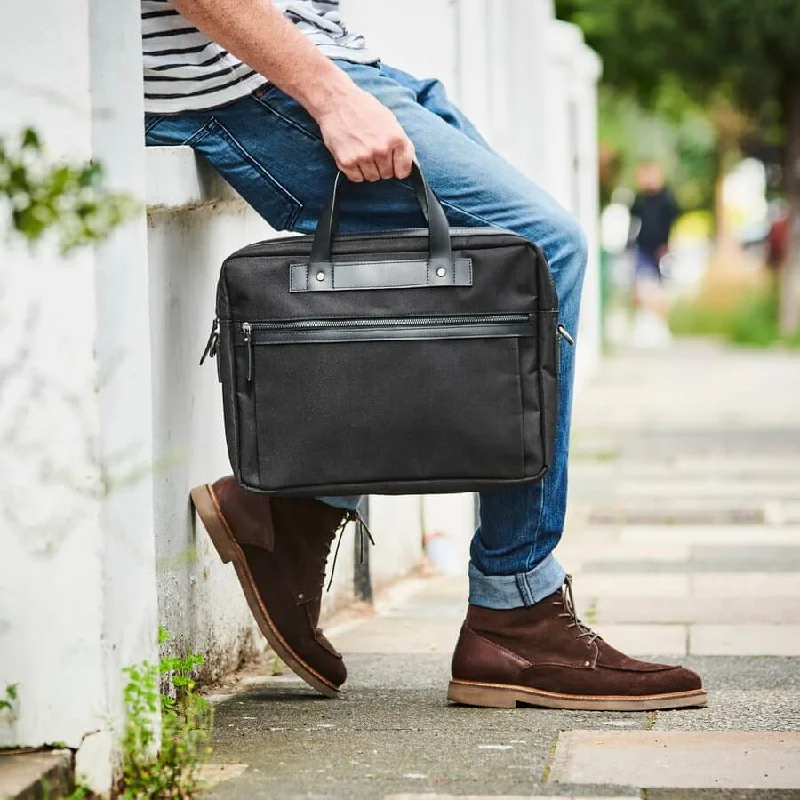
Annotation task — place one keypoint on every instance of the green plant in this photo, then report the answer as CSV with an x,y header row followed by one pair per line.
x,y
8,702
165,766
68,199
751,321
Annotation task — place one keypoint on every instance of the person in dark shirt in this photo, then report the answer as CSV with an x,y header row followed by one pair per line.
x,y
654,211
653,215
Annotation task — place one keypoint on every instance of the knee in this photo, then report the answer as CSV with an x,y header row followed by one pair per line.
x,y
567,251
574,245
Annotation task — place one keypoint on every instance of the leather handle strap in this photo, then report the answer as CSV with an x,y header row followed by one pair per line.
x,y
440,254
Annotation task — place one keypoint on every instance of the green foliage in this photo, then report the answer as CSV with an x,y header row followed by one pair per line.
x,y
742,49
750,322
164,767
69,200
8,701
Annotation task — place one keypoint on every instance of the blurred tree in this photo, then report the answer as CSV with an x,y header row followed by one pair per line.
x,y
737,57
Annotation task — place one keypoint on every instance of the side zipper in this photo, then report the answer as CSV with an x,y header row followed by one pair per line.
x,y
212,345
247,333
562,331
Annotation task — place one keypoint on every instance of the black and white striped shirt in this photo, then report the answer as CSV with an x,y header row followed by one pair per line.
x,y
184,70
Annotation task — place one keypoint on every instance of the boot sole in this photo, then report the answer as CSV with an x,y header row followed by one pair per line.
x,y
229,551
495,695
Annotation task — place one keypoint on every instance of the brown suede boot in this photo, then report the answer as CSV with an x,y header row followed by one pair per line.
x,y
542,655
279,548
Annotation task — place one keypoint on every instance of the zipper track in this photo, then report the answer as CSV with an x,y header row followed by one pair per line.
x,y
388,322
296,328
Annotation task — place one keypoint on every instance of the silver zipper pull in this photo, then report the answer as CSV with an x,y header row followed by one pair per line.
x,y
565,334
247,332
212,343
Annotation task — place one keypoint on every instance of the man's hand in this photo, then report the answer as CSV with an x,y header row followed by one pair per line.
x,y
365,138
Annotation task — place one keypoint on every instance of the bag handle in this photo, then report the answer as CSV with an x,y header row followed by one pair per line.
x,y
440,254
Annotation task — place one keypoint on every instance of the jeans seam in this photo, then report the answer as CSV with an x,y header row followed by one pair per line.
x,y
485,222
151,123
261,170
198,135
524,589
296,125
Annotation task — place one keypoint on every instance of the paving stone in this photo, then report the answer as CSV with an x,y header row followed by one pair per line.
x,y
745,640
709,610
632,585
647,759
681,513
37,774
401,635
752,585
578,548
730,565
725,535
787,487
645,640
502,797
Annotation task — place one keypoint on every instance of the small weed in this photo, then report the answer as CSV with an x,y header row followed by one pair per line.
x,y
8,701
167,767
551,754
277,666
590,615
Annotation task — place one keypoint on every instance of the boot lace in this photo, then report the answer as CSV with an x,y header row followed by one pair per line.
x,y
363,533
568,602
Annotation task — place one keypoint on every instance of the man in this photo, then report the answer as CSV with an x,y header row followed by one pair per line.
x,y
277,97
653,215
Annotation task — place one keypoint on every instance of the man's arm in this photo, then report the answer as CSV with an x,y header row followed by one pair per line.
x,y
363,136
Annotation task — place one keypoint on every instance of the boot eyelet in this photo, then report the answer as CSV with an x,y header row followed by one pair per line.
x,y
587,663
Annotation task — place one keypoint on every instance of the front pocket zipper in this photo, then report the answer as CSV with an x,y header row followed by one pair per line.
x,y
472,326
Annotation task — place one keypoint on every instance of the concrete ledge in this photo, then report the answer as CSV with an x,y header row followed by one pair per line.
x,y
26,776
177,178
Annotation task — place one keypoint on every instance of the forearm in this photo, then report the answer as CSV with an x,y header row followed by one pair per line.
x,y
258,34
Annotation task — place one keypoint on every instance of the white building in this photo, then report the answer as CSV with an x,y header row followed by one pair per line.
x,y
107,421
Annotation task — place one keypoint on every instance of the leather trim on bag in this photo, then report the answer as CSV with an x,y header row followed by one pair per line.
x,y
377,275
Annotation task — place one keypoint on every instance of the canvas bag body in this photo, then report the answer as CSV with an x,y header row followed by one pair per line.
x,y
380,367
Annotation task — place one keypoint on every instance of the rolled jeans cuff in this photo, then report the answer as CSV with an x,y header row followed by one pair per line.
x,y
513,591
345,503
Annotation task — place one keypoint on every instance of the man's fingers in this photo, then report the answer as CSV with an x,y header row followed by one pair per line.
x,y
370,170
385,164
403,158
351,170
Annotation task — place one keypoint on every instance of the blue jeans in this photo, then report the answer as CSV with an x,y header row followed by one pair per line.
x,y
271,151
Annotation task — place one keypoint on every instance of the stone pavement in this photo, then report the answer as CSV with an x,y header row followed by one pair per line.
x,y
684,540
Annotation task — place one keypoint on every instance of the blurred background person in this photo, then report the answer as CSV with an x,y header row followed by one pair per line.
x,y
653,215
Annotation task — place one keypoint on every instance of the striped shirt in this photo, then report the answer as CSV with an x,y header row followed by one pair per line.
x,y
184,70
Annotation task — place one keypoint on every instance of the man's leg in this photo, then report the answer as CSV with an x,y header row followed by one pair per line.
x,y
511,553
511,556
271,150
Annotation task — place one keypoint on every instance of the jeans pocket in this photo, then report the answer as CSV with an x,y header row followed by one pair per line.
x,y
288,110
249,176
150,122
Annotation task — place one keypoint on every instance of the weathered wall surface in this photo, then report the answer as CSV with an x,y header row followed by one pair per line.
x,y
101,384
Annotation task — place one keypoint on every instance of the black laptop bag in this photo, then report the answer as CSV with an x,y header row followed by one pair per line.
x,y
408,361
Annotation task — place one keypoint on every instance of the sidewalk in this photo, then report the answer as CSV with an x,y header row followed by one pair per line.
x,y
684,540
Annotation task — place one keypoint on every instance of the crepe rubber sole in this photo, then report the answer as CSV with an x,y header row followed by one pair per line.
x,y
230,552
496,695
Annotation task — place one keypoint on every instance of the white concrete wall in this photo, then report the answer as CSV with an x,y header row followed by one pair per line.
x,y
195,221
82,568
77,594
